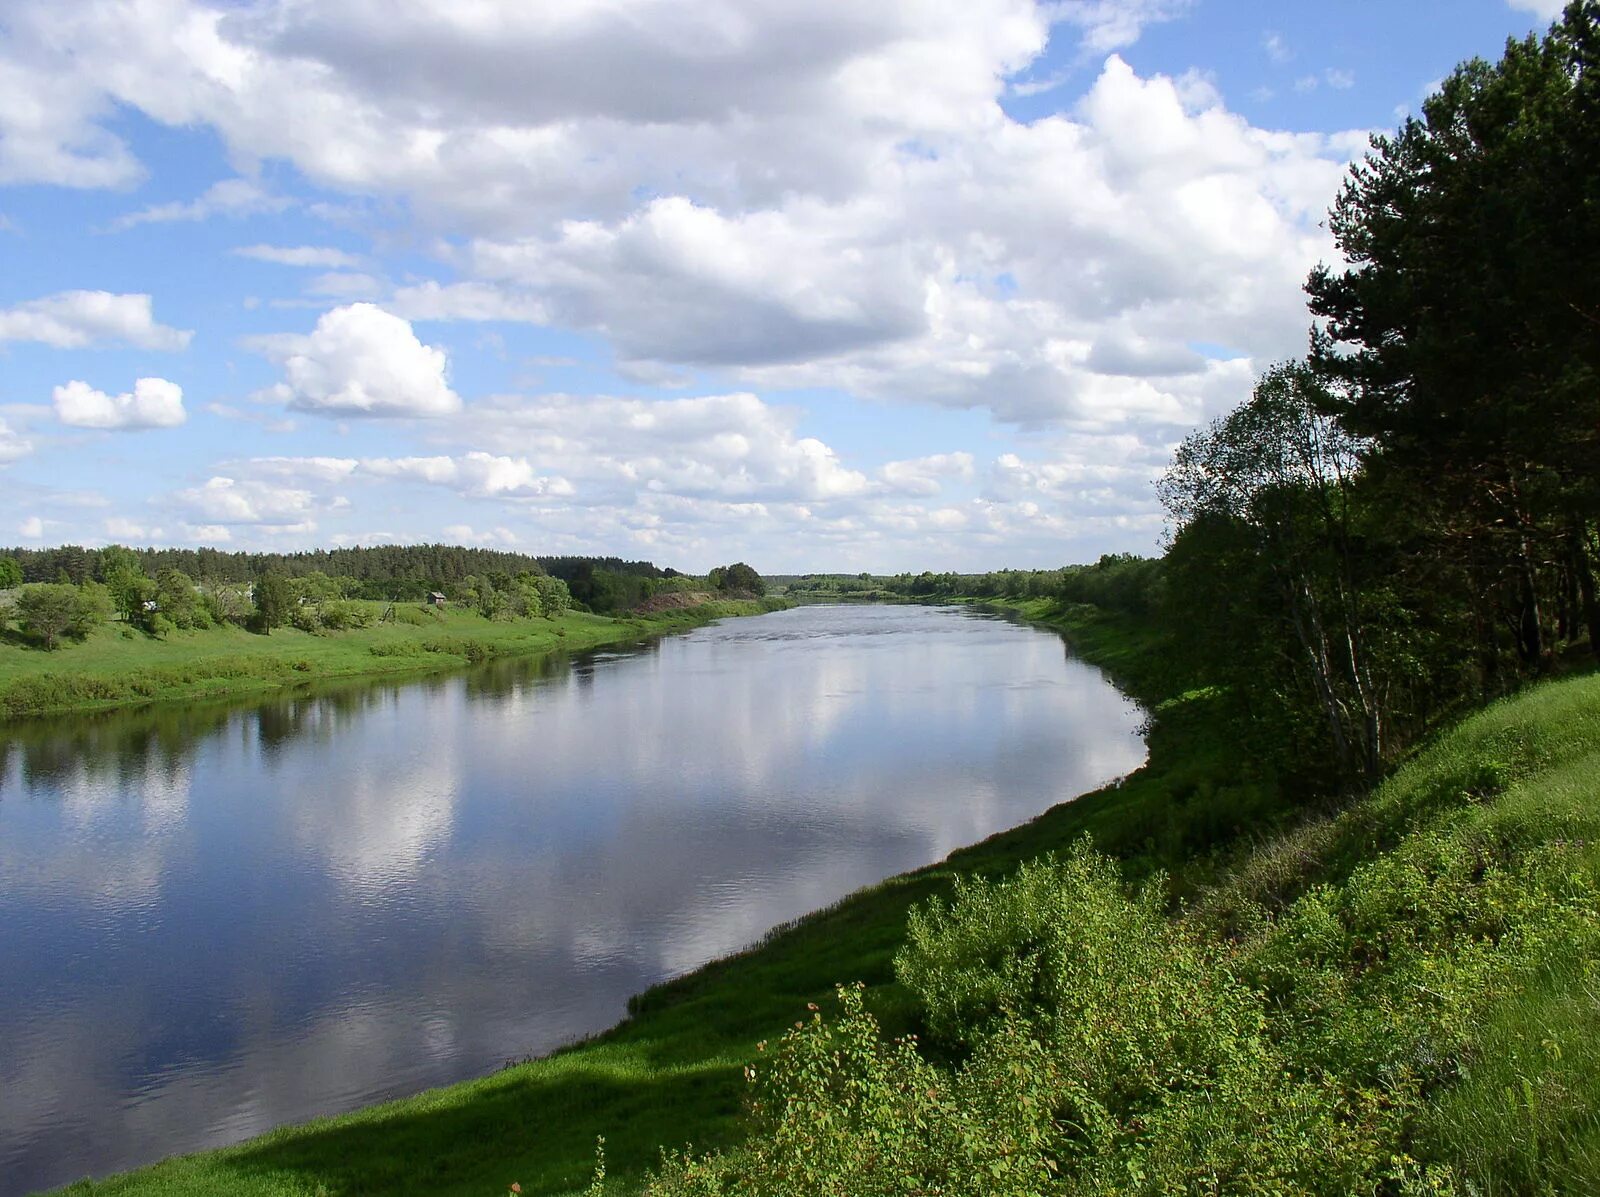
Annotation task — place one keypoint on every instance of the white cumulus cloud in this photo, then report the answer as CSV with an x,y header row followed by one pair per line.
x,y
12,444
477,475
153,403
229,501
926,475
77,319
361,361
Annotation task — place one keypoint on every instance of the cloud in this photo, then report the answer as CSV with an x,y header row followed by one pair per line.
x,y
229,197
464,534
154,403
748,197
77,319
466,301
229,502
119,528
506,111
1108,25
683,283
1033,271
31,528
925,475
12,444
476,475
1277,49
1549,10
319,256
729,447
361,361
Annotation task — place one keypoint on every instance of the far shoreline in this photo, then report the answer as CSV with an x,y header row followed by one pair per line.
x,y
119,668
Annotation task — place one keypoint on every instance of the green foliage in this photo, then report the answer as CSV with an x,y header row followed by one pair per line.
x,y
54,612
274,601
554,597
737,578
1464,328
130,590
227,603
178,600
10,573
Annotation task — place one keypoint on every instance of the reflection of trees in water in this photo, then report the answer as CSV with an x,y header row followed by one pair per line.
x,y
160,741
504,677
321,712
153,742
585,667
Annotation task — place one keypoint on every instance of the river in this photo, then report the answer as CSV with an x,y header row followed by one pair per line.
x,y
215,920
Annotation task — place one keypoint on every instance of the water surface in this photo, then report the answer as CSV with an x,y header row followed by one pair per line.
x,y
216,920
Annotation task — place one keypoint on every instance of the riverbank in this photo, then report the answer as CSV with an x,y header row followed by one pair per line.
x,y
119,667
673,1071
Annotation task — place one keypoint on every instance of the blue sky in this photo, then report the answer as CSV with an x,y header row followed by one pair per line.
x,y
926,284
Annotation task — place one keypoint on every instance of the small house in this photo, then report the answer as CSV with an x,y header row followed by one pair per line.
x,y
435,599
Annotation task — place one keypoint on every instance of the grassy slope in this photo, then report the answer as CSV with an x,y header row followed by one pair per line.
x,y
672,1072
117,667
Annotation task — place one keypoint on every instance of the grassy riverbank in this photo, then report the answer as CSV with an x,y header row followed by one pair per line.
x,y
1510,785
118,666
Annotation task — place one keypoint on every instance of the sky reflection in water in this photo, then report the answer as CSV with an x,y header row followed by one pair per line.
x,y
222,919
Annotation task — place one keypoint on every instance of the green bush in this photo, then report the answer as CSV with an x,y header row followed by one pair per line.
x,y
340,615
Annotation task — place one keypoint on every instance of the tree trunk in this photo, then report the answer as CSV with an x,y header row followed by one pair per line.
x,y
1577,542
1530,632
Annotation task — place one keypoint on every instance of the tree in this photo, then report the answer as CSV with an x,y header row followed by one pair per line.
x,y
52,612
1273,483
178,600
226,602
554,596
738,578
274,598
1467,323
114,559
10,573
130,591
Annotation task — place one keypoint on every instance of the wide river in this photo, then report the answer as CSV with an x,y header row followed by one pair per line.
x,y
216,920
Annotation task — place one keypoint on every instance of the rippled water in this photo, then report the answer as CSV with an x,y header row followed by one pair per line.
x,y
217,920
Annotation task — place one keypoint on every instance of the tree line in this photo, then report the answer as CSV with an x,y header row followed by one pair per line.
x,y
378,572
1405,521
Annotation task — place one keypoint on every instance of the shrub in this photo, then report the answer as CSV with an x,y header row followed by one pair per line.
x,y
307,617
342,614
52,613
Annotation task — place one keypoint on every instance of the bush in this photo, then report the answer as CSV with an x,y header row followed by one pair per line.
x,y
52,613
342,614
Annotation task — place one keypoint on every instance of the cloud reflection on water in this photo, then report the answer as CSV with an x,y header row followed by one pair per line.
x,y
331,898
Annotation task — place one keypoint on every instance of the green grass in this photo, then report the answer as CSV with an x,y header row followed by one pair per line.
x,y
1517,777
118,666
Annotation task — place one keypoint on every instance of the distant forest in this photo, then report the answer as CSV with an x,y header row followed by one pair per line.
x,y
380,572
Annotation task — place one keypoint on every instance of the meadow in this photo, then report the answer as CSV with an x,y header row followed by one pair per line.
x,y
118,665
